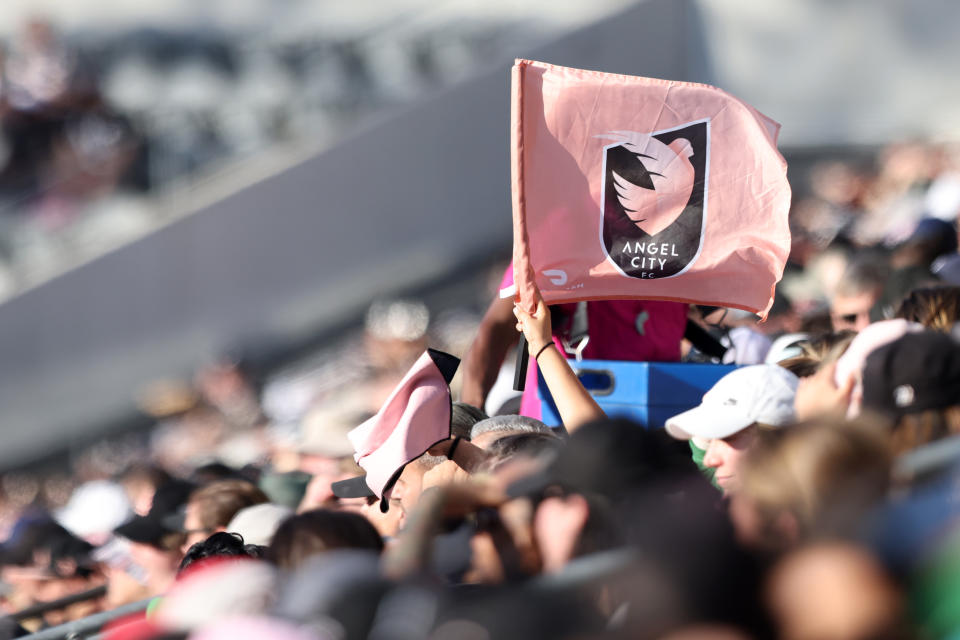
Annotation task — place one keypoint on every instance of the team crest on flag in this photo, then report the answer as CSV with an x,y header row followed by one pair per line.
x,y
654,199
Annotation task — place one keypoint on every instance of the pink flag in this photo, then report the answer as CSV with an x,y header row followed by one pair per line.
x,y
628,187
415,417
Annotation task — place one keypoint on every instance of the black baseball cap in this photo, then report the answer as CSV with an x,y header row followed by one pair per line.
x,y
920,371
151,528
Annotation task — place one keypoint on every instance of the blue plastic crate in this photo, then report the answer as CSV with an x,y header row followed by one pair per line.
x,y
648,392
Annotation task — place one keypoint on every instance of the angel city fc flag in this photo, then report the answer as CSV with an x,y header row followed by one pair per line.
x,y
628,187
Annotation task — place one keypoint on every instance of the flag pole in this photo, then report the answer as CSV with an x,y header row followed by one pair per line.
x,y
517,201
520,367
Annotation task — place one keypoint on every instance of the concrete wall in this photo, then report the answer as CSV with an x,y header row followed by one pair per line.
x,y
408,200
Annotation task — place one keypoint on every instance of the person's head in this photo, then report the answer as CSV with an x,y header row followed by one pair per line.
x,y
485,432
527,445
856,293
354,496
931,238
219,545
741,404
69,568
462,418
154,543
812,480
159,560
214,472
211,508
396,333
914,382
833,590
323,443
307,534
44,561
466,422
569,524
723,455
140,481
608,457
581,493
936,308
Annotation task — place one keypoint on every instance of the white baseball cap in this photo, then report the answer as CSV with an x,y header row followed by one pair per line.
x,y
761,393
258,523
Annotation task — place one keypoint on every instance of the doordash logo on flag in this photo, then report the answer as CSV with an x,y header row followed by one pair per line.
x,y
654,189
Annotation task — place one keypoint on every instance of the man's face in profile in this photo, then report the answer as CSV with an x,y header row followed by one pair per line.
x,y
407,490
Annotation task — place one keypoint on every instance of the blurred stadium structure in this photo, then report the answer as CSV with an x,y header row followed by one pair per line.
x,y
255,148
127,100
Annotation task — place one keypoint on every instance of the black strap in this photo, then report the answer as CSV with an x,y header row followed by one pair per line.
x,y
703,341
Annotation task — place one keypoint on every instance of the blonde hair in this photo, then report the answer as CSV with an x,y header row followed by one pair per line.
x,y
936,308
913,430
823,473
815,352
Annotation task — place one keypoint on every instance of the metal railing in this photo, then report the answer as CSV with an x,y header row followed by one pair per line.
x,y
37,610
89,626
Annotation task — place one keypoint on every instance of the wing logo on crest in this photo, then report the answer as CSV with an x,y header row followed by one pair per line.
x,y
653,180
654,195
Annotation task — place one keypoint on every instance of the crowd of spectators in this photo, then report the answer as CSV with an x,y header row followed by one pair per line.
x,y
103,130
810,494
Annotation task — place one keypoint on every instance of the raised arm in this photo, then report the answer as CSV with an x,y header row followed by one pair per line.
x,y
482,362
574,403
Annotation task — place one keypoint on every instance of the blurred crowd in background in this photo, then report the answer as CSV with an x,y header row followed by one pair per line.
x,y
830,515
833,529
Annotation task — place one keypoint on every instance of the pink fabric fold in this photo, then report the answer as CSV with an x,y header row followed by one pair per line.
x,y
415,417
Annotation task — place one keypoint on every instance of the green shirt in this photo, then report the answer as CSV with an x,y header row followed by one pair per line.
x,y
698,455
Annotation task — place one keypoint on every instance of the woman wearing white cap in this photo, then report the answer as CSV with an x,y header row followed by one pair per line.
x,y
730,414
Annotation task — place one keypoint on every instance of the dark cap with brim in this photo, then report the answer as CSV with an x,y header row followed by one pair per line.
x,y
357,487
143,529
352,488
918,372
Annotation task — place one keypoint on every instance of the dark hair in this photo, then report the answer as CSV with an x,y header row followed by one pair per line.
x,y
214,472
524,444
865,273
66,555
462,418
70,556
312,532
220,545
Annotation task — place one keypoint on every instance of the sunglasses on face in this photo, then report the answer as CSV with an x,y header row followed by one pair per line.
x,y
851,318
